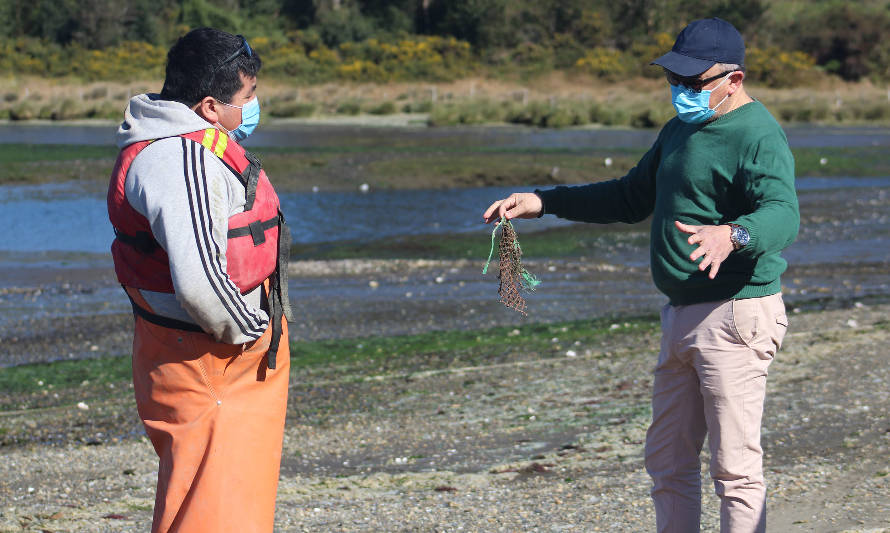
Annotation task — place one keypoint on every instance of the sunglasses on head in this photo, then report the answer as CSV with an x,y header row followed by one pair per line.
x,y
244,48
692,82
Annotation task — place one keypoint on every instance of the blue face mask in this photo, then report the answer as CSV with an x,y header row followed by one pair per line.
x,y
250,117
692,107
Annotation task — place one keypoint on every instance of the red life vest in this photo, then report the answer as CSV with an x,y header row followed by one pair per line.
x,y
252,250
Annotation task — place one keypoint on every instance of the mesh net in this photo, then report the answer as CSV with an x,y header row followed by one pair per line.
x,y
513,277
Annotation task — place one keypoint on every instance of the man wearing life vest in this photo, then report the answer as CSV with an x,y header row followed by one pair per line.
x,y
201,250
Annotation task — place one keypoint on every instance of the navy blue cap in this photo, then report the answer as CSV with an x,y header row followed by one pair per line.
x,y
701,44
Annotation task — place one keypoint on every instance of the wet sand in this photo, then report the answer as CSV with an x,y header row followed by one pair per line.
x,y
364,298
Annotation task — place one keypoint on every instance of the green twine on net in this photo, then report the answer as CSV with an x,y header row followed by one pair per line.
x,y
528,280
494,231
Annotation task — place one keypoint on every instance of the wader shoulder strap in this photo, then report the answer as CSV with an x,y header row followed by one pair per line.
x,y
279,301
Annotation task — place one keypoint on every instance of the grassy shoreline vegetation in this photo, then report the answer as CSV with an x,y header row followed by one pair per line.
x,y
544,63
557,100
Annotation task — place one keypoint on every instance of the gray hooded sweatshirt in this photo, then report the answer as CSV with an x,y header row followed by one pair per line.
x,y
188,195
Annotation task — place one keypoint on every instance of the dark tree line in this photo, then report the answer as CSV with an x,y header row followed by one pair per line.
x,y
846,38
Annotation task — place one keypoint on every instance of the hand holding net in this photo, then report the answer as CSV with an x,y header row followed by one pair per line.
x,y
513,277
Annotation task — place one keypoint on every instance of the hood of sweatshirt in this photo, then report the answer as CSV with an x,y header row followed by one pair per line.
x,y
148,117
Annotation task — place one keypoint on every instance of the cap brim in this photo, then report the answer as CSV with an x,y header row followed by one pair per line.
x,y
683,65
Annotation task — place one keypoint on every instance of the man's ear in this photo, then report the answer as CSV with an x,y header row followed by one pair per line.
x,y
735,81
208,109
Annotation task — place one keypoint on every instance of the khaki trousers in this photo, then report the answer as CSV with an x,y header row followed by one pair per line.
x,y
215,415
711,380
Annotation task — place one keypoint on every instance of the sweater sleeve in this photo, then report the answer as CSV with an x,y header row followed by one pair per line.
x,y
186,197
629,199
768,183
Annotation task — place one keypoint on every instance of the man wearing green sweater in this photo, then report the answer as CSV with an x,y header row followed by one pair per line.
x,y
719,185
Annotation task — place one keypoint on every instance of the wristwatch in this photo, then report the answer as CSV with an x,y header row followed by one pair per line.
x,y
738,236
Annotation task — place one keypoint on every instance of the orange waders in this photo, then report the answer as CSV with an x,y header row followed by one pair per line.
x,y
215,415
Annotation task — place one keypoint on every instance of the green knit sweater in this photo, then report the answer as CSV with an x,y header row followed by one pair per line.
x,y
737,168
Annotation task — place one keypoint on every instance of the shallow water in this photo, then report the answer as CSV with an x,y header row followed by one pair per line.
x,y
59,217
67,218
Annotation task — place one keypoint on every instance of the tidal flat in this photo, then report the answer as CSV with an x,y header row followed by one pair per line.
x,y
418,402
398,166
535,428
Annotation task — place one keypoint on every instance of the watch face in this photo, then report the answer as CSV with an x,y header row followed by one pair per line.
x,y
740,235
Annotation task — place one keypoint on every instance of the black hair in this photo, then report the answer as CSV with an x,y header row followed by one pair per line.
x,y
196,67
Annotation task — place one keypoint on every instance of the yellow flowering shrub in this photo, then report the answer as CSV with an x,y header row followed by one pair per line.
x,y
776,67
262,45
605,63
325,57
288,60
421,57
129,60
360,70
646,51
303,57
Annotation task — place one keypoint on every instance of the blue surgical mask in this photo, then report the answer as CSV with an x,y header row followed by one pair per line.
x,y
692,107
250,117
